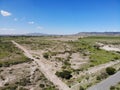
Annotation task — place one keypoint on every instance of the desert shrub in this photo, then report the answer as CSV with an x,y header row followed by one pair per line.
x,y
14,61
6,84
98,78
118,51
112,88
102,76
13,54
116,58
46,55
97,47
1,77
81,88
42,85
49,88
24,82
64,67
66,62
9,87
64,74
22,88
0,64
110,70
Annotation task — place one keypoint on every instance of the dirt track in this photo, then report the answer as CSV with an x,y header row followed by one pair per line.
x,y
100,67
45,69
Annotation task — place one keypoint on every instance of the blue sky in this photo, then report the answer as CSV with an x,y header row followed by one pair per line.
x,y
59,16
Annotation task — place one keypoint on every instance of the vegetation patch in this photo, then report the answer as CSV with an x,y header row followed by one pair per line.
x,y
10,55
110,70
116,87
64,74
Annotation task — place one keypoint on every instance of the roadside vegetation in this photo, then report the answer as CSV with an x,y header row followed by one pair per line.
x,y
87,47
15,69
72,58
116,87
110,70
10,55
64,74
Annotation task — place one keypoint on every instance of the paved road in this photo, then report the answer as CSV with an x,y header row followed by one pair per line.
x,y
95,70
107,83
44,69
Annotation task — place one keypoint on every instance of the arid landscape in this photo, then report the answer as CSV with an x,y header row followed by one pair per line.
x,y
57,62
59,44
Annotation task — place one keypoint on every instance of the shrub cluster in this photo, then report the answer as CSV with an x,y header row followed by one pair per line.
x,y
64,74
110,70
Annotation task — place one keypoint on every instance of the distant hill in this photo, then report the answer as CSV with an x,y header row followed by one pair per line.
x,y
36,34
99,33
78,34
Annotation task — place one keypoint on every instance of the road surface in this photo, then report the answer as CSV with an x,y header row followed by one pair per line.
x,y
107,83
112,80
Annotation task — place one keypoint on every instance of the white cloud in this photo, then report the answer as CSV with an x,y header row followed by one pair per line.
x,y
31,22
40,27
5,13
15,19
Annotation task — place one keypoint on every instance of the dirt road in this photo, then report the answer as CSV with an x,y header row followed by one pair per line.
x,y
45,69
102,66
95,70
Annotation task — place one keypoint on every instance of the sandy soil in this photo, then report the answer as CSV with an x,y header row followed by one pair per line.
x,y
77,60
65,38
100,67
45,69
108,47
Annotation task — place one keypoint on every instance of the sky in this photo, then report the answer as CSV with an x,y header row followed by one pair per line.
x,y
59,16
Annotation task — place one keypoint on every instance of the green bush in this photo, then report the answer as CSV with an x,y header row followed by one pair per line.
x,y
81,88
13,54
46,55
24,82
110,70
102,76
97,47
42,85
9,87
112,88
64,74
22,88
